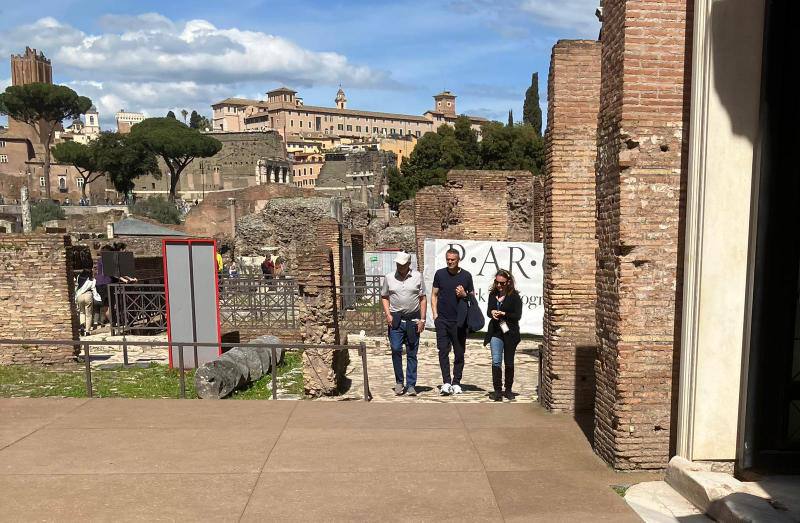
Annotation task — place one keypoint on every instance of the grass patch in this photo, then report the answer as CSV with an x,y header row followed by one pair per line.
x,y
155,381
620,489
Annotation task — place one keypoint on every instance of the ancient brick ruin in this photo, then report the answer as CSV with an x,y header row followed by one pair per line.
x,y
36,297
479,205
569,345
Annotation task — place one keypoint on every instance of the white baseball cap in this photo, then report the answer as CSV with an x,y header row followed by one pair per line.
x,y
402,258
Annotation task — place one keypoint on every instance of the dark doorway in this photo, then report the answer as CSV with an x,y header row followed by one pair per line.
x,y
772,425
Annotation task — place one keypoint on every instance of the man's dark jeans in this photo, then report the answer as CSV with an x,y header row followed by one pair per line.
x,y
449,334
406,332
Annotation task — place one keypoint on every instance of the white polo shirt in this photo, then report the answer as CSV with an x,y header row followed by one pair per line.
x,y
403,293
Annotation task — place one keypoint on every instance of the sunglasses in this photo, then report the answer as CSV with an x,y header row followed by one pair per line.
x,y
497,282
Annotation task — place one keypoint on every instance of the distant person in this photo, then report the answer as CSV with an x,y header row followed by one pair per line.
x,y
404,305
220,263
85,297
451,286
102,280
268,267
504,307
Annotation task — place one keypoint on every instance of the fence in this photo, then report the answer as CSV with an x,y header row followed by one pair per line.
x,y
359,306
137,307
245,303
299,347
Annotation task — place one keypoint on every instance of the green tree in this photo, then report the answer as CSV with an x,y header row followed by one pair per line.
x,y
510,118
82,157
511,148
194,120
157,208
205,124
43,107
175,143
531,111
124,158
44,211
184,113
467,140
171,115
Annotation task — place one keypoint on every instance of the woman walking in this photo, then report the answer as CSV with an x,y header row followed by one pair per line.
x,y
85,297
502,335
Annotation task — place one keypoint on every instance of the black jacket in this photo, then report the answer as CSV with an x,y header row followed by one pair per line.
x,y
512,306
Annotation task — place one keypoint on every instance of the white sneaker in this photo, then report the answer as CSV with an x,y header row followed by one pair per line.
x,y
456,389
446,389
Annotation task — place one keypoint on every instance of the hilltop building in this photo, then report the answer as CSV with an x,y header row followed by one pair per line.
x,y
285,112
127,119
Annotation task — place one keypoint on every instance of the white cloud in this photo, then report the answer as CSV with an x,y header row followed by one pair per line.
x,y
151,48
153,64
578,15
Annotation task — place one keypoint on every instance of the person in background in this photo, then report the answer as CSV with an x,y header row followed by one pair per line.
x,y
451,285
404,305
504,307
101,282
268,267
220,262
85,296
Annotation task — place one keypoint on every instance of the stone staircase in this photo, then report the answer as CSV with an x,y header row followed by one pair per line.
x,y
693,491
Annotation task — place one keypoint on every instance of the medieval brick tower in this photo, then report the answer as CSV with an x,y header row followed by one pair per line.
x,y
445,103
30,67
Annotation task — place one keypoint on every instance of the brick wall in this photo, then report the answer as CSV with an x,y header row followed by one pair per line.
x,y
476,205
36,297
538,209
569,345
642,140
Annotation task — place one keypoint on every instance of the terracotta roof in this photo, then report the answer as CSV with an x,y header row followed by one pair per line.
x,y
282,90
448,94
348,112
239,101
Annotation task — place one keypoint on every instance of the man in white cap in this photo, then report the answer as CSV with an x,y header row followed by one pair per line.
x,y
404,305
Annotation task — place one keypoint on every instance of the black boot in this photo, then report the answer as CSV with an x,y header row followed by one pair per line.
x,y
497,383
509,382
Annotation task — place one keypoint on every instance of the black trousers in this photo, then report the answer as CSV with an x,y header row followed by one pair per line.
x,y
448,334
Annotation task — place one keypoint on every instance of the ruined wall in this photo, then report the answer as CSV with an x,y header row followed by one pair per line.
x,y
642,140
476,205
36,297
212,217
323,369
569,344
538,209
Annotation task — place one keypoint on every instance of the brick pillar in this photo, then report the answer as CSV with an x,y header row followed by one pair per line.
x,y
323,369
569,344
642,140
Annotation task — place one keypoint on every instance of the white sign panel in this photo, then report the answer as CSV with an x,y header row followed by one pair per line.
x,y
483,259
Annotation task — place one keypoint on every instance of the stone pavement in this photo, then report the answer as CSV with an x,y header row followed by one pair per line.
x,y
476,382
132,460
104,356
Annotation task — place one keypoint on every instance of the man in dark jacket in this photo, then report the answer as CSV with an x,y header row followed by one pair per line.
x,y
451,286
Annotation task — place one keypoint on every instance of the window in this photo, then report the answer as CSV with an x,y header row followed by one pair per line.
x,y
340,127
80,181
301,123
2,143
383,130
291,123
62,182
41,181
3,158
374,130
358,128
418,134
349,127
449,104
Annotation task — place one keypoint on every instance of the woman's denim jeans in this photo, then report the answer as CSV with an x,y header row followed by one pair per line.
x,y
497,346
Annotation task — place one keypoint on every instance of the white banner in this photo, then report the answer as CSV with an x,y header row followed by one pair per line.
x,y
483,259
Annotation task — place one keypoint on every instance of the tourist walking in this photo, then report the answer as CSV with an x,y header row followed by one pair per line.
x,y
404,305
504,307
85,296
268,267
451,286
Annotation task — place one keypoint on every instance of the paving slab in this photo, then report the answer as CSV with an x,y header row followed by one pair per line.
x,y
164,450
551,496
374,450
125,497
174,413
374,496
545,448
315,415
512,415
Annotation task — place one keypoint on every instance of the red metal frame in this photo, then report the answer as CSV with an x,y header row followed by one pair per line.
x,y
189,242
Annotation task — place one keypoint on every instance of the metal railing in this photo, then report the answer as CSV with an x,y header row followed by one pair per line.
x,y
359,305
137,307
273,347
258,303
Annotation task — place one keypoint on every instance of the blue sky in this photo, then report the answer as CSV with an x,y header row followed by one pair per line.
x,y
389,56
